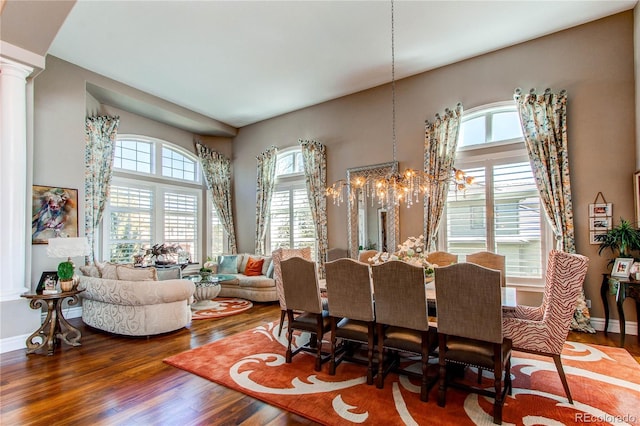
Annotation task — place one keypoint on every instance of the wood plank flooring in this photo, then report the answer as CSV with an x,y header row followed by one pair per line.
x,y
116,380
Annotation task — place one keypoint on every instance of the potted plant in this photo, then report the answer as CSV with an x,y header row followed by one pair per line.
x,y
623,240
65,275
205,273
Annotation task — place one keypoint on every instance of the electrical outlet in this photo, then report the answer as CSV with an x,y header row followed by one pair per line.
x,y
589,303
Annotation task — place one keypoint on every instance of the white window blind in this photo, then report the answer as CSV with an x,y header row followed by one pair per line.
x,y
217,234
291,224
130,222
181,221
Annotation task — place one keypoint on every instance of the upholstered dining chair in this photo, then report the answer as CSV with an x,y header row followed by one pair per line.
x,y
277,257
470,330
543,329
490,260
304,307
402,324
365,255
350,297
442,258
336,253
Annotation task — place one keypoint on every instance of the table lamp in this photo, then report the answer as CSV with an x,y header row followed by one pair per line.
x,y
67,247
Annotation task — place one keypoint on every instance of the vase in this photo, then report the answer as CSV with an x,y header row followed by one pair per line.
x,y
66,285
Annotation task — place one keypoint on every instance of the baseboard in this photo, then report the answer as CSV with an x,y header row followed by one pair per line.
x,y
15,343
631,328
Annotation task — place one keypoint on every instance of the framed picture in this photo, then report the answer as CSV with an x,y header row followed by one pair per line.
x,y
600,209
48,281
593,237
54,213
622,267
636,194
599,223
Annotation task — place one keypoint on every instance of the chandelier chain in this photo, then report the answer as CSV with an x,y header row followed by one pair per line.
x,y
393,83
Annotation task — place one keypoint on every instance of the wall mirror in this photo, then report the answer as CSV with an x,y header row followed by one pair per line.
x,y
370,225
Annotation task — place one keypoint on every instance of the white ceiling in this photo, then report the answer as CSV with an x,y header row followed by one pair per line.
x,y
241,62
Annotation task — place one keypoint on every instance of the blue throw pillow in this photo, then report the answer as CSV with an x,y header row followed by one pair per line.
x,y
270,271
228,264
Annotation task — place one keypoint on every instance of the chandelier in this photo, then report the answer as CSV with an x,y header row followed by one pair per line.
x,y
395,188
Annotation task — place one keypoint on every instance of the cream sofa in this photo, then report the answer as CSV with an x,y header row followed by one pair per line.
x,y
135,307
260,288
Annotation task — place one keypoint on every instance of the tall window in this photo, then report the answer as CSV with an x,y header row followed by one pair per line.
x,y
156,197
502,211
291,224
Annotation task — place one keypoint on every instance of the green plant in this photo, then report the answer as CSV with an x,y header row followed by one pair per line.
x,y
65,271
622,240
206,270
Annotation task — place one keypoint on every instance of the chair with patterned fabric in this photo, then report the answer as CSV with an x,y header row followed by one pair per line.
x,y
278,256
442,258
490,260
304,307
542,330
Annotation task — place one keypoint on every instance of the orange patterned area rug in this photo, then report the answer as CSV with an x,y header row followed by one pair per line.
x,y
222,307
604,381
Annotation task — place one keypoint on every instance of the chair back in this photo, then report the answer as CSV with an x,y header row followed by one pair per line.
x,y
336,253
349,290
490,260
442,258
300,284
468,299
365,255
400,296
277,257
565,278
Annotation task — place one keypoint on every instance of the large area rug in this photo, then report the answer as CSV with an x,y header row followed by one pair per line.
x,y
604,381
222,307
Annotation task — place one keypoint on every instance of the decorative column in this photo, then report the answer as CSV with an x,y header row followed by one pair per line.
x,y
13,178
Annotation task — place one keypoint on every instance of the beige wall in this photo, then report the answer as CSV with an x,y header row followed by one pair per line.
x,y
593,62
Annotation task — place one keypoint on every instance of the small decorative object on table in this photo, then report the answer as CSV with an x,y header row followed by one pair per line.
x,y
166,254
411,251
68,247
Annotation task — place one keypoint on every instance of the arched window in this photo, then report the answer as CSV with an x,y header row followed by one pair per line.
x,y
291,224
502,211
156,197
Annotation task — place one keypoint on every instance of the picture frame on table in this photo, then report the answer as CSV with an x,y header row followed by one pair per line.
x,y
600,209
622,267
54,213
48,281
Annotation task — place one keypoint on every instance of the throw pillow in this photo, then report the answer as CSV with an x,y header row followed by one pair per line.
x,y
269,273
108,270
267,263
127,273
254,267
90,271
228,264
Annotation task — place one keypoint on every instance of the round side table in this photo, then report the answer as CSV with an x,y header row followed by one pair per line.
x,y
205,291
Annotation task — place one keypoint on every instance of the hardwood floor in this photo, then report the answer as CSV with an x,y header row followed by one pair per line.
x,y
122,380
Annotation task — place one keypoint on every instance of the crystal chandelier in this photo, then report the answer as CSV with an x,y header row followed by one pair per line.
x,y
395,188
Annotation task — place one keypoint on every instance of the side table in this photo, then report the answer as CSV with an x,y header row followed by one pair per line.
x,y
55,326
623,289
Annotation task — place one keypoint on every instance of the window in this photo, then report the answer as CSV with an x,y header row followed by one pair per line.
x,y
156,197
291,224
502,211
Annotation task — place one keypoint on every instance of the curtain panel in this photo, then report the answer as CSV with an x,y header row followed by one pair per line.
x,y
217,172
264,191
314,158
440,144
544,125
100,139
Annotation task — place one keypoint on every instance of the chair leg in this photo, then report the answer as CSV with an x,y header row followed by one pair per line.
x,y
380,381
289,337
497,380
332,362
370,344
563,378
282,314
442,389
319,335
424,394
479,375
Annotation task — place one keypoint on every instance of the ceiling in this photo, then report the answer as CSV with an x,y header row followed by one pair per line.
x,y
241,62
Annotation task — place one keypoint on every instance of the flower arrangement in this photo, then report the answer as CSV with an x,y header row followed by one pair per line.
x,y
411,251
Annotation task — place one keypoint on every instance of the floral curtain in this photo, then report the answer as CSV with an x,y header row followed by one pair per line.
x,y
440,144
217,172
544,125
314,158
264,190
100,139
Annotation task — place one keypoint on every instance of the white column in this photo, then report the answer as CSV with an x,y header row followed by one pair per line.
x,y
13,178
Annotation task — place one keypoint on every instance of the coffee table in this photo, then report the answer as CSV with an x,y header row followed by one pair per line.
x,y
206,290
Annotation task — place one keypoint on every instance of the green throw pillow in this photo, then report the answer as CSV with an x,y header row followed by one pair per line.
x,y
228,264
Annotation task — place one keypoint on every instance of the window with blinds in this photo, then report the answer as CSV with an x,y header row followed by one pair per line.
x,y
501,212
130,222
217,234
181,221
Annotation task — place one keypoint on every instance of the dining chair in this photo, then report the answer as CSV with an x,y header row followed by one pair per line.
x,y
543,329
470,330
442,258
365,255
336,253
402,323
350,297
277,257
490,260
304,307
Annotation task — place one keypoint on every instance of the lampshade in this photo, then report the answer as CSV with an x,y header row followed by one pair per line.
x,y
68,247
